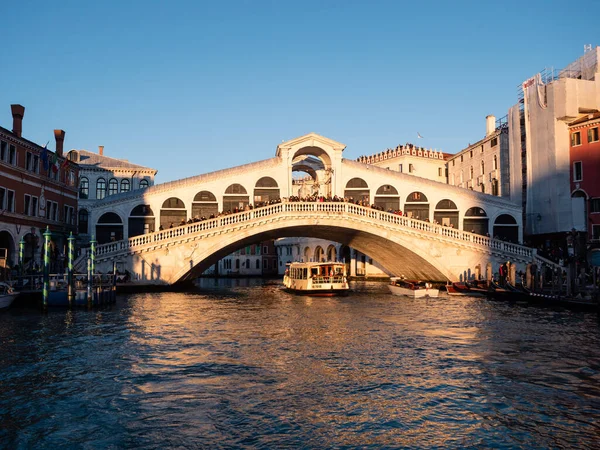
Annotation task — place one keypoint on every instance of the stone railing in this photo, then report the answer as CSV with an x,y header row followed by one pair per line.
x,y
316,209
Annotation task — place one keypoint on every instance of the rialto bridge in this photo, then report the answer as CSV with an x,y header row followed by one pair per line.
x,y
444,232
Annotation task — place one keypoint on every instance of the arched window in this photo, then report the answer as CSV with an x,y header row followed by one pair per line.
x,y
84,188
143,184
495,166
113,186
476,221
387,198
83,222
266,189
446,213
482,168
471,172
173,213
125,185
358,191
235,198
100,188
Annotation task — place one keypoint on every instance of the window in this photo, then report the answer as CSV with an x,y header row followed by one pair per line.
x,y
482,169
84,188
32,162
71,178
34,206
461,158
471,152
83,221
27,204
439,171
495,165
100,188
51,210
453,162
28,161
143,184
12,155
411,168
125,186
113,186
265,250
258,264
577,171
494,142
400,169
481,149
471,172
2,197
596,232
576,139
3,151
593,134
69,215
10,200
595,205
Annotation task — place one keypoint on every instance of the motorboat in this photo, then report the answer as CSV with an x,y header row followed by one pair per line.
x,y
7,295
412,288
316,278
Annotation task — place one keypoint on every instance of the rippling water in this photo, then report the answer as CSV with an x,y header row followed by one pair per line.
x,y
246,365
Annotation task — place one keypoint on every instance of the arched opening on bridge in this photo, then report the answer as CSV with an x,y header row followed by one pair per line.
x,y
357,191
265,191
307,257
417,206
506,228
82,224
8,257
141,220
476,221
235,198
319,254
387,198
314,165
172,213
109,228
205,205
446,213
331,253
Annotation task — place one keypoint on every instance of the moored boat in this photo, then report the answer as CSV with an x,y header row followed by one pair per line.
x,y
467,289
412,288
320,279
7,295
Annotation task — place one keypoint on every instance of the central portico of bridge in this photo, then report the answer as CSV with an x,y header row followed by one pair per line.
x,y
138,225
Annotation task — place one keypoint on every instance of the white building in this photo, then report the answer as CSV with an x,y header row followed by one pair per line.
x,y
539,142
101,176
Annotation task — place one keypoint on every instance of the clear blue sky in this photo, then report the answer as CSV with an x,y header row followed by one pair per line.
x,y
189,87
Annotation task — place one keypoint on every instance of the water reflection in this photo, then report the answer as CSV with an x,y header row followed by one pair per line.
x,y
253,366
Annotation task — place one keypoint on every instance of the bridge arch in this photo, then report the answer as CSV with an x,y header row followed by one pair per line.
x,y
172,213
204,205
476,221
387,198
506,228
266,189
109,228
357,189
141,221
446,213
417,206
235,198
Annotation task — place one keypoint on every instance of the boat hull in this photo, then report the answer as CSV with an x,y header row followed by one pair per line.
x,y
7,299
414,293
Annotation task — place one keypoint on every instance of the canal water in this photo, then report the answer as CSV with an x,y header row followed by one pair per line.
x,y
242,364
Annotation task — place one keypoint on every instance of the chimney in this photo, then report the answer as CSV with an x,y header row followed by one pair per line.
x,y
101,150
59,136
18,112
490,124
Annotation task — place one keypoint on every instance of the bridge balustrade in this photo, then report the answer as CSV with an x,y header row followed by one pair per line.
x,y
373,215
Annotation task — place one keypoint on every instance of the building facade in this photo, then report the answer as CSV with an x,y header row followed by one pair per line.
x,y
484,166
540,146
585,169
38,190
101,176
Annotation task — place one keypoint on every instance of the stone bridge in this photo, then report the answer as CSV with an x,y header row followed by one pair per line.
x,y
402,245
136,225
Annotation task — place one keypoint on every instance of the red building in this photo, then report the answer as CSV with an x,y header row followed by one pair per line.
x,y
38,189
585,174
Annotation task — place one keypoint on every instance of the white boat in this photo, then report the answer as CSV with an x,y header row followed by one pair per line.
x,y
313,278
7,295
412,288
